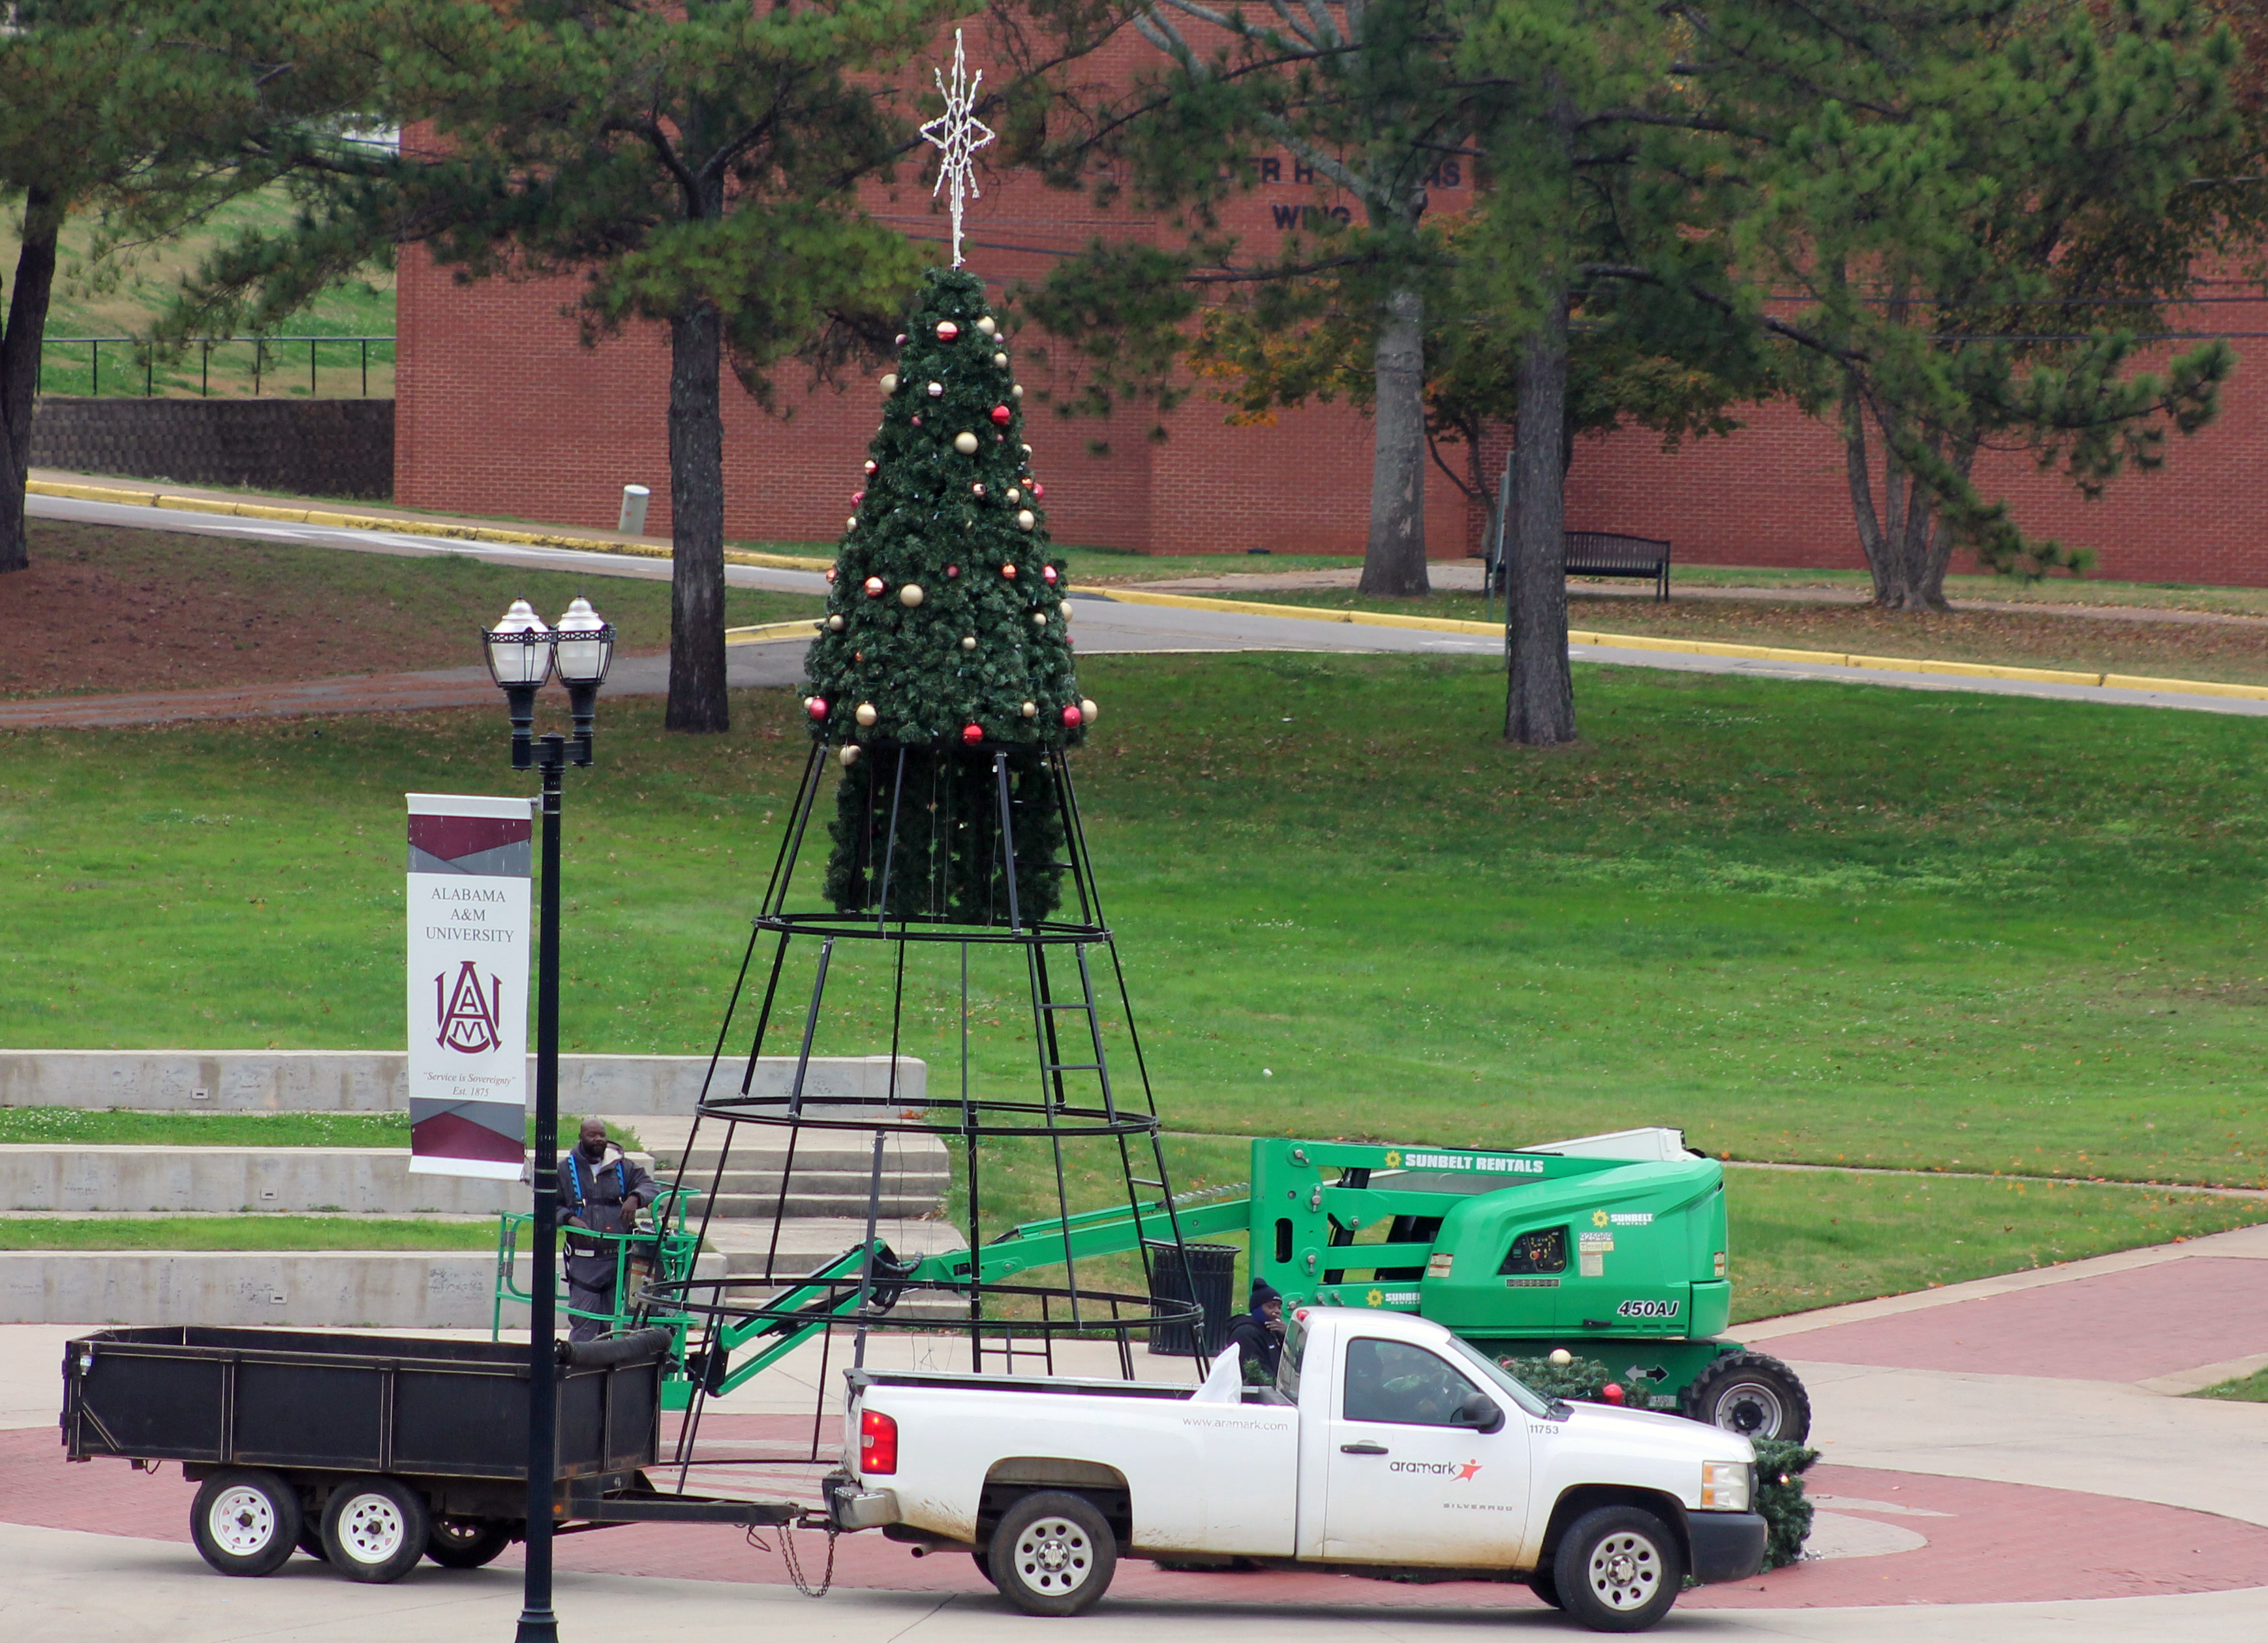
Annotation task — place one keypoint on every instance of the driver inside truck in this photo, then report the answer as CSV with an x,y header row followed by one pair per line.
x,y
598,1193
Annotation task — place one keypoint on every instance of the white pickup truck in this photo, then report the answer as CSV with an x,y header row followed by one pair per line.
x,y
1387,1447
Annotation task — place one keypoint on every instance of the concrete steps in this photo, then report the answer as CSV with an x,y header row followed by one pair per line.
x,y
833,1171
221,1180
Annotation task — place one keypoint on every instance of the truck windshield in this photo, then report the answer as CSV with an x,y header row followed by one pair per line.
x,y
1534,1403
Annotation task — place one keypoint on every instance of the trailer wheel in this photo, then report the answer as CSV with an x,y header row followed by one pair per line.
x,y
1750,1394
310,1537
374,1530
467,1542
1617,1569
1053,1554
244,1522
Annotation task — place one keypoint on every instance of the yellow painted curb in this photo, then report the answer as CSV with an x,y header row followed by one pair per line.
x,y
1359,618
406,527
801,628
1711,647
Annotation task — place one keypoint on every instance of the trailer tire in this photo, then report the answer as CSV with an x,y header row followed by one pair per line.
x,y
467,1542
1053,1553
375,1529
1618,1569
1752,1395
244,1522
310,1537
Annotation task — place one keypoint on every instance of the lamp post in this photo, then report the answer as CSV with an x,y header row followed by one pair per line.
x,y
521,654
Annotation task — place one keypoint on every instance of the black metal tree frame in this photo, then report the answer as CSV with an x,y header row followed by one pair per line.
x,y
1056,1115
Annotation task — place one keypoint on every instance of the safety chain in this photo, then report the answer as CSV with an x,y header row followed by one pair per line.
x,y
795,1564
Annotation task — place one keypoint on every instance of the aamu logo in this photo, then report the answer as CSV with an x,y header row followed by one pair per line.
x,y
465,1016
1456,1471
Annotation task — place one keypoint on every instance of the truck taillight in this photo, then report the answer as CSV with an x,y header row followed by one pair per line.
x,y
878,1443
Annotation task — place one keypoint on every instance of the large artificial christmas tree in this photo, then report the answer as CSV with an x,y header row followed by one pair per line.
x,y
944,666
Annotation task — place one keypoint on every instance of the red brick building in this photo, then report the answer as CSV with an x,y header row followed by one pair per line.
x,y
502,411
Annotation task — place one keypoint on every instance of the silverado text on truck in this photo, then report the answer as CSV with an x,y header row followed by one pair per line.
x,y
1387,1446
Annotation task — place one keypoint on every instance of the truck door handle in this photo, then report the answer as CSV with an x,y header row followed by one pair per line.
x,y
1365,1447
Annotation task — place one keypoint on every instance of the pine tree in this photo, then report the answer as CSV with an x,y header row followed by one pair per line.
x,y
946,649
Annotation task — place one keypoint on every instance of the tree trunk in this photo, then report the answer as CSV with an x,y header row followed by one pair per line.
x,y
1939,553
1539,702
19,368
1394,563
697,702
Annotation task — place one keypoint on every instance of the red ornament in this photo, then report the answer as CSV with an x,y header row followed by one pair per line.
x,y
917,421
951,572
870,469
816,707
1008,571
1611,1392
1000,414
857,497
874,588
1049,571
972,733
946,331
1039,490
830,573
1072,716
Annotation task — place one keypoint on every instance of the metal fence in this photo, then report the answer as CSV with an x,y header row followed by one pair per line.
x,y
265,349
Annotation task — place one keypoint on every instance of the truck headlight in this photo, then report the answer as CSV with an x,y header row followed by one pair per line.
x,y
1725,1485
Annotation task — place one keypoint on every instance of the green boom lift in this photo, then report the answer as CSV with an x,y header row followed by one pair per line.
x,y
1613,1247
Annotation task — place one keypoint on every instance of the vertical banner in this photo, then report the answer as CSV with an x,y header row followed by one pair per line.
x,y
470,934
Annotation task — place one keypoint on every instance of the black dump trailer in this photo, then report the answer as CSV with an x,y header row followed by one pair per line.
x,y
373,1451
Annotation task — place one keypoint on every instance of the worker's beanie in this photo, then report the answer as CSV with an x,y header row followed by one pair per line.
x,y
1263,1293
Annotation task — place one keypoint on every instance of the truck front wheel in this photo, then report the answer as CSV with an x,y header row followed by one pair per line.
x,y
374,1530
1053,1554
244,1522
1750,1394
1617,1569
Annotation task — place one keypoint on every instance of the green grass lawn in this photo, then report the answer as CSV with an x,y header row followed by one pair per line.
x,y
1817,923
2253,1389
241,1232
120,299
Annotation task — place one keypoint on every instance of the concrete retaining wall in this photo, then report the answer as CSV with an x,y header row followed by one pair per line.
x,y
303,448
342,1289
298,1180
377,1081
319,1289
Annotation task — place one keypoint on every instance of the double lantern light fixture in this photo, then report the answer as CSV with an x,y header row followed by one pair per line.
x,y
522,654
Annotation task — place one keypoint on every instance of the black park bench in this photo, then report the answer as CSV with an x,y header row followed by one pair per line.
x,y
1606,553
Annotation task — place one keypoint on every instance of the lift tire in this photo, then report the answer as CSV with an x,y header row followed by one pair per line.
x,y
467,1542
1053,1553
375,1529
1752,1395
244,1522
1617,1569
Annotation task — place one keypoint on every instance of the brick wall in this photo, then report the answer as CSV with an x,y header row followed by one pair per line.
x,y
308,447
504,411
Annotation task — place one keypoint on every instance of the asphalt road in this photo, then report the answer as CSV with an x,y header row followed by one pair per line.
x,y
1101,626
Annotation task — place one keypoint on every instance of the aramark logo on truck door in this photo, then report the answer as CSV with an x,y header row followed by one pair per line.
x,y
1456,1471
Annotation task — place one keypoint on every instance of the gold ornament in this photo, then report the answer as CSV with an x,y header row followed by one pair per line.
x,y
834,624
1087,710
865,715
1031,710
1026,519
889,382
988,325
1039,618
969,643
910,594
965,443
849,756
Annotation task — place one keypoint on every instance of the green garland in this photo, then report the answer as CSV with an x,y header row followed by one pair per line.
x,y
1780,1499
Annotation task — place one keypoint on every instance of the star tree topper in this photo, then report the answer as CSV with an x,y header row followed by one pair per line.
x,y
958,134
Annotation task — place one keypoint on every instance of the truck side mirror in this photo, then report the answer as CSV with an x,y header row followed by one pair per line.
x,y
1480,1413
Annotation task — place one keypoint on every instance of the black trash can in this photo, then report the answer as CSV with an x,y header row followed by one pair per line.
x,y
1213,1268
